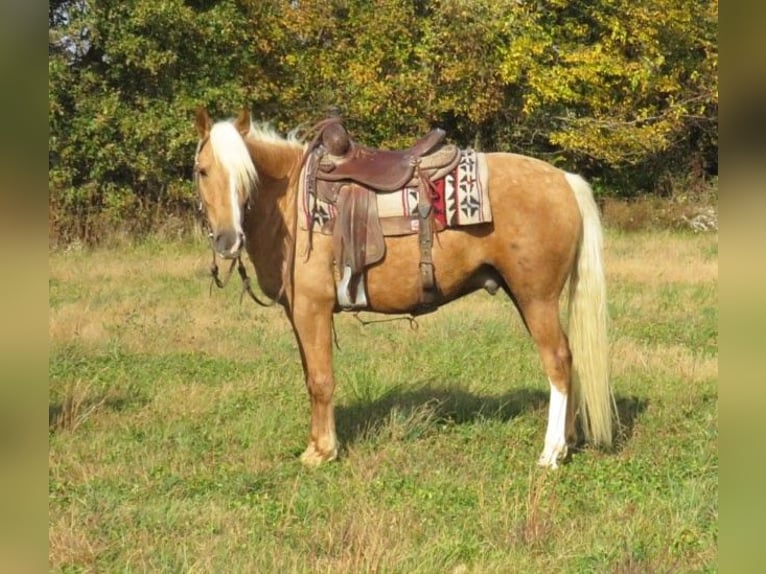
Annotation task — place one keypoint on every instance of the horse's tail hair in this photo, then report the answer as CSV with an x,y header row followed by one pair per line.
x,y
588,323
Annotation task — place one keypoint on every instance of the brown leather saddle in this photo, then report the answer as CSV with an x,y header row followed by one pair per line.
x,y
349,175
377,169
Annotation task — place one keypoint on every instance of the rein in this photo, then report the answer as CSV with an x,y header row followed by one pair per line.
x,y
246,284
411,319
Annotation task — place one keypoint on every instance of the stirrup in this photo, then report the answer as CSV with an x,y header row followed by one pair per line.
x,y
361,296
344,292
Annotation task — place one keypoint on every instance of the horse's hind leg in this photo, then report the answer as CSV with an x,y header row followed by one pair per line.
x,y
542,320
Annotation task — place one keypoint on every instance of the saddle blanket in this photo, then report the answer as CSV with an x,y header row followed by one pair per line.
x,y
459,198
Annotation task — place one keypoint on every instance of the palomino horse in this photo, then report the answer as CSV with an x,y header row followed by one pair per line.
x,y
545,231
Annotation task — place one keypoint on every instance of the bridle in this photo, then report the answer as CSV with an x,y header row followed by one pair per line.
x,y
241,269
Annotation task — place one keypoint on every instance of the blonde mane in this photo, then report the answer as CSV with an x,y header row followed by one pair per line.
x,y
273,153
267,134
230,151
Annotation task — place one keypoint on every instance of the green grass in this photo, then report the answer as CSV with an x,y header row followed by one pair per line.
x,y
176,421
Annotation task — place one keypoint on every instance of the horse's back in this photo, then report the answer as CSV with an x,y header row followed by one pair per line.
x,y
531,241
522,180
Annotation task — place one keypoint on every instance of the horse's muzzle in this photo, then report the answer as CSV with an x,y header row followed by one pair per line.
x,y
227,243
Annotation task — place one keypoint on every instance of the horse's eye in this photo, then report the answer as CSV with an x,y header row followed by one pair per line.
x,y
202,172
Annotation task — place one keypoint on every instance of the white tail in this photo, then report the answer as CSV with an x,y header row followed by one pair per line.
x,y
588,323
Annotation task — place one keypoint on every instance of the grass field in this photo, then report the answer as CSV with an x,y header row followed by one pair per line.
x,y
176,421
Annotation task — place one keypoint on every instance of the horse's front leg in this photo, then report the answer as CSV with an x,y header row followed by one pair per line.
x,y
312,322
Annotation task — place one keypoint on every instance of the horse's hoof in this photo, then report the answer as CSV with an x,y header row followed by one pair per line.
x,y
551,457
313,457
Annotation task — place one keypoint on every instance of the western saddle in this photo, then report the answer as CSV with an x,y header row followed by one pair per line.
x,y
348,176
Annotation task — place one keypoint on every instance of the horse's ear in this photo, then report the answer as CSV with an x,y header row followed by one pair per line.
x,y
242,123
203,122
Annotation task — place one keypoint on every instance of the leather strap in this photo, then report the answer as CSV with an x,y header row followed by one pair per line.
x,y
425,241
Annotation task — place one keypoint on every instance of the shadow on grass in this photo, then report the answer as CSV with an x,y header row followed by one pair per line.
x,y
451,404
362,419
629,409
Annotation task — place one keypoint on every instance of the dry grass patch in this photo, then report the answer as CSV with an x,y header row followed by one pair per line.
x,y
77,321
70,541
662,361
123,300
366,540
662,258
76,404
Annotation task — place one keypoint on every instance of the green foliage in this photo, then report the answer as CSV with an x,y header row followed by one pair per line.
x,y
624,92
121,102
628,83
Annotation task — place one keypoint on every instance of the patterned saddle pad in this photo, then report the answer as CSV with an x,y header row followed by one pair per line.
x,y
459,198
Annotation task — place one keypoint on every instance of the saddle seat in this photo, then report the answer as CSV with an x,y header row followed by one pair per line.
x,y
385,170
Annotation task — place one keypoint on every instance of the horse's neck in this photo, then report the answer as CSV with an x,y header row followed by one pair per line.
x,y
271,221
274,160
277,165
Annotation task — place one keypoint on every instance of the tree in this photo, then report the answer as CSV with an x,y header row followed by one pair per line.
x,y
616,85
624,92
124,79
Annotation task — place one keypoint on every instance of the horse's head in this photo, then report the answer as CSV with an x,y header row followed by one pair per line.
x,y
225,176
